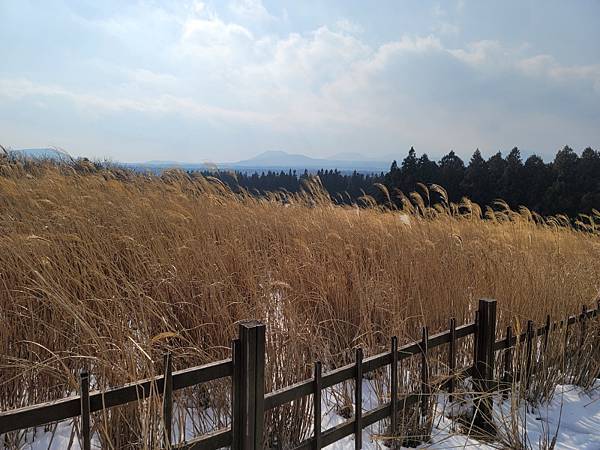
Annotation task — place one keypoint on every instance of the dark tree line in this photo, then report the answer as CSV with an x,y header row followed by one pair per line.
x,y
570,184
343,188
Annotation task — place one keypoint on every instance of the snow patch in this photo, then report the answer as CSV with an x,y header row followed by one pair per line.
x,y
572,418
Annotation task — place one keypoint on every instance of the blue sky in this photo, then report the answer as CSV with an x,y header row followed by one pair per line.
x,y
222,81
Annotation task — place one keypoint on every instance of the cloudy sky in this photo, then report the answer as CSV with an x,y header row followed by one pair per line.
x,y
222,81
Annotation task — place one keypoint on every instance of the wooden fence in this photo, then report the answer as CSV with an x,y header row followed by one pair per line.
x,y
249,402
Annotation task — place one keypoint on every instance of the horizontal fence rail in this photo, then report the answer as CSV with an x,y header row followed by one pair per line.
x,y
249,403
44,413
501,344
345,373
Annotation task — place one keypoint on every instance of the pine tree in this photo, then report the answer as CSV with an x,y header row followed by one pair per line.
x,y
427,170
588,177
452,171
409,172
538,177
496,165
476,182
511,182
563,191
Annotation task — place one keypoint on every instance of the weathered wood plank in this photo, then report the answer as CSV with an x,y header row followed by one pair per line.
x,y
54,411
358,400
288,394
484,366
236,395
394,386
168,400
211,441
452,359
84,392
425,386
317,418
347,428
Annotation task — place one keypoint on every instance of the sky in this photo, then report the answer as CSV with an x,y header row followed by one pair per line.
x,y
223,81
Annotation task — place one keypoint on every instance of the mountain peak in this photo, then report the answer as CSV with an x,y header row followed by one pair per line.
x,y
51,153
270,154
277,158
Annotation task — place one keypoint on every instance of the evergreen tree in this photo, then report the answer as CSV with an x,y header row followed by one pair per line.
x,y
511,182
393,180
452,171
496,165
568,185
562,191
408,170
588,176
427,170
476,182
537,176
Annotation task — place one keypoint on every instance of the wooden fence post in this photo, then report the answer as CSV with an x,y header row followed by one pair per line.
x,y
168,399
249,387
394,387
528,352
507,376
358,400
318,386
425,388
236,395
484,366
84,381
583,327
452,359
546,333
475,338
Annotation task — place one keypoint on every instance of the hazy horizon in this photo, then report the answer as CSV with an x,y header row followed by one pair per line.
x,y
199,81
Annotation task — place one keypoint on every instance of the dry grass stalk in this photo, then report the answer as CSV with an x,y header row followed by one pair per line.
x,y
107,269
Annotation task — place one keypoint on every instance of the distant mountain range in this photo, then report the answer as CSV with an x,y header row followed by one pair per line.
x,y
342,161
279,160
39,153
270,160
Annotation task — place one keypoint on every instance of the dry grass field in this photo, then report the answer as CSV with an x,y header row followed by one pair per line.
x,y
107,270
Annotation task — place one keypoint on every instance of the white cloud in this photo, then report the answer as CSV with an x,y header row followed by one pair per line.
x,y
328,83
446,29
417,44
198,7
481,53
214,32
536,65
348,26
303,79
149,77
547,66
437,10
253,10
101,104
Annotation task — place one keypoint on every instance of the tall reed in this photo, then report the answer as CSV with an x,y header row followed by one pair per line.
x,y
107,269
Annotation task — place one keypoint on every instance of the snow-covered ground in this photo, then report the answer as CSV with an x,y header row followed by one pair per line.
x,y
59,436
572,418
